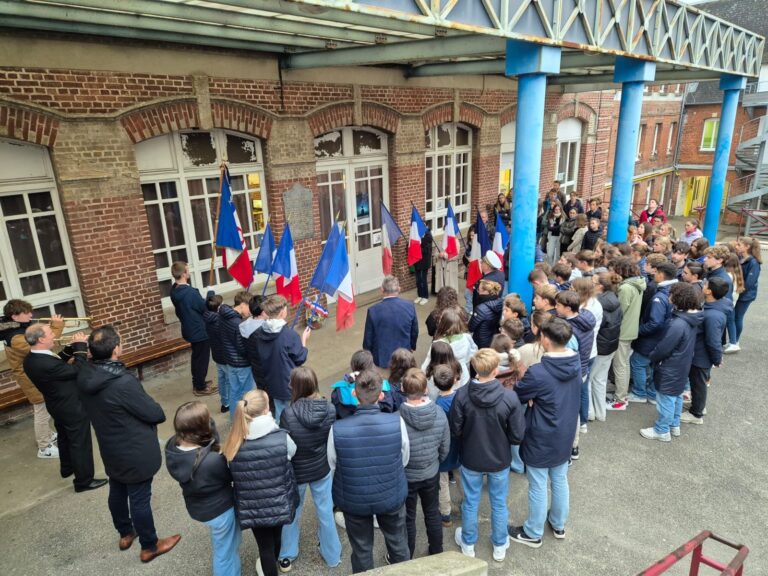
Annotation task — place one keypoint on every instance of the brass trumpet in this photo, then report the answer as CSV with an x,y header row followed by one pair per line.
x,y
68,322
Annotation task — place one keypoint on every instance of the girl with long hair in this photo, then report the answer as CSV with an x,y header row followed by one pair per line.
x,y
749,250
452,330
400,362
259,455
607,342
732,266
440,353
554,220
531,353
447,297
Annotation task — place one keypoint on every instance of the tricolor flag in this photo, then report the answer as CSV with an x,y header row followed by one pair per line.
x,y
284,267
229,236
321,271
480,245
267,252
500,239
451,234
390,234
418,229
338,284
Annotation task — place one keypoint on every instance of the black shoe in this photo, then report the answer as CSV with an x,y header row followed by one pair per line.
x,y
517,534
224,409
575,453
66,473
284,565
92,485
559,534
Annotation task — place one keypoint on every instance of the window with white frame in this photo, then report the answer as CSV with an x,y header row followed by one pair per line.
x,y
569,133
448,173
656,134
640,142
709,134
179,175
671,137
35,258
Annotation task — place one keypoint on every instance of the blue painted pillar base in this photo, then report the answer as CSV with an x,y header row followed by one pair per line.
x,y
632,74
531,63
731,87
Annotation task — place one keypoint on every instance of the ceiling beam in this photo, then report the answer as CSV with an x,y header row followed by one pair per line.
x,y
70,14
497,66
411,51
661,77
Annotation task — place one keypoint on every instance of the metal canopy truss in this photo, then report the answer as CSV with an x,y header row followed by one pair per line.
x,y
425,37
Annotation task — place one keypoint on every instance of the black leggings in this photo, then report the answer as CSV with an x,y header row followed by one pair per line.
x,y
268,541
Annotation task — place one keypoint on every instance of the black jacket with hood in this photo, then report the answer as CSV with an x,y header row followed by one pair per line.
x,y
486,419
673,353
232,343
204,476
610,327
125,420
308,421
486,315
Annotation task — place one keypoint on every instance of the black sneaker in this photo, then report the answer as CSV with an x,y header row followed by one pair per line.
x,y
451,479
284,565
559,534
517,534
575,453
224,409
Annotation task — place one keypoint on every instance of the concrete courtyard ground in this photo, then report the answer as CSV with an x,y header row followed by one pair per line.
x,y
632,500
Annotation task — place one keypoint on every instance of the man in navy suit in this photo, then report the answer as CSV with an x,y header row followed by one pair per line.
x,y
390,324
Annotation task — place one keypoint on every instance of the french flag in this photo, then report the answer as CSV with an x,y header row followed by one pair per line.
x,y
480,245
229,236
267,252
500,239
390,234
285,268
418,229
450,234
338,284
326,257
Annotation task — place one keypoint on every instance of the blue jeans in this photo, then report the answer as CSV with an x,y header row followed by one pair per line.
x,y
330,546
468,300
222,378
739,311
537,499
730,324
517,462
225,544
498,485
668,410
642,376
280,405
240,380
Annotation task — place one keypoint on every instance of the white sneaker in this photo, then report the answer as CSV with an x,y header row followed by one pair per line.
x,y
651,434
583,429
417,300
689,418
466,549
636,399
423,301
54,439
500,552
375,521
731,348
49,451
674,431
339,518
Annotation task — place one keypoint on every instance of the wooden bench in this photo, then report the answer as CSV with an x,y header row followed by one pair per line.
x,y
138,358
11,398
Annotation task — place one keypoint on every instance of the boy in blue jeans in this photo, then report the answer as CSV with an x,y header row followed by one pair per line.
x,y
554,386
486,419
445,379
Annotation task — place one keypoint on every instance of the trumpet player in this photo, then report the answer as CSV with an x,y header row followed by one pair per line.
x,y
17,318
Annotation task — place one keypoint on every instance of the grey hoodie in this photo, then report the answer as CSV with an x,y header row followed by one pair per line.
x,y
429,439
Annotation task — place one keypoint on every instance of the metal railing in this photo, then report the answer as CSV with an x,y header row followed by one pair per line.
x,y
752,129
755,87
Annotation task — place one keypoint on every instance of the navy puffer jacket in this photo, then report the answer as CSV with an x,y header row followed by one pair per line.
x,y
266,494
709,338
584,330
309,420
484,323
232,343
654,321
750,268
213,328
673,353
610,327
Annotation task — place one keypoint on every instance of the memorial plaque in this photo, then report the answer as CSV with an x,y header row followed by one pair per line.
x,y
297,203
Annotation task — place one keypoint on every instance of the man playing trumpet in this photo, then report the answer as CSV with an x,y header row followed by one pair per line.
x,y
17,318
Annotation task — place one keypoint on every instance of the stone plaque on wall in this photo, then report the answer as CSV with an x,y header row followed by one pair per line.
x,y
297,203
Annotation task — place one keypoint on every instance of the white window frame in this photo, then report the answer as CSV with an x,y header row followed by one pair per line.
x,y
713,144
507,150
567,137
656,132
8,273
180,174
671,136
640,138
456,160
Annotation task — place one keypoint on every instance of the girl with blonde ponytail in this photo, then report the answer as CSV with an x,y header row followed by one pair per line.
x,y
259,455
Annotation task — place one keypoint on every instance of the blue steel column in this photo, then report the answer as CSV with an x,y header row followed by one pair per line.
x,y
731,86
632,74
531,63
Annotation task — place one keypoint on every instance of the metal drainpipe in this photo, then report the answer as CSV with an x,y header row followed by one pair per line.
x,y
676,157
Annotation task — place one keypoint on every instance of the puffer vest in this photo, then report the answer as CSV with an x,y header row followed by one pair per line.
x,y
265,489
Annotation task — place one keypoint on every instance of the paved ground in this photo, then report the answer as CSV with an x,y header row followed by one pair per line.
x,y
632,500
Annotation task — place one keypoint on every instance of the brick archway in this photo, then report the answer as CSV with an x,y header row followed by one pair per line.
x,y
334,116
241,118
578,110
28,125
508,115
443,113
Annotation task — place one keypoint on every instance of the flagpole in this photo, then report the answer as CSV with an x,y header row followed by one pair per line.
x,y
216,223
264,289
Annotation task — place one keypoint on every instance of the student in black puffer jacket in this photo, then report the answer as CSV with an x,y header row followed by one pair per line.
x,y
486,314
259,455
193,459
606,286
308,420
213,328
239,374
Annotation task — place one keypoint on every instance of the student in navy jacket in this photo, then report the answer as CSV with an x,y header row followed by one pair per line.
x,y
190,307
708,351
672,358
554,386
749,251
233,347
652,326
213,329
390,324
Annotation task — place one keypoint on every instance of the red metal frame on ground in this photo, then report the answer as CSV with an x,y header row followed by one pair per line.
x,y
734,568
759,221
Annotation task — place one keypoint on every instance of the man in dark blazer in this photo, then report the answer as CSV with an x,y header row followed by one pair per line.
x,y
390,324
57,382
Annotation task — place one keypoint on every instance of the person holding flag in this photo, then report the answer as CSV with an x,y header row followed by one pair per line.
x,y
266,255
229,236
284,267
390,234
420,254
449,253
484,264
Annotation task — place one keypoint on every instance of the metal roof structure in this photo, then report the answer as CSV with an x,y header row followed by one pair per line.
x,y
424,37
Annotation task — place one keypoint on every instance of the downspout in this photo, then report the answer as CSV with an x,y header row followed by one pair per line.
x,y
678,139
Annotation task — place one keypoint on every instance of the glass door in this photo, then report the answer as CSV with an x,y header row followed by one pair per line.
x,y
365,225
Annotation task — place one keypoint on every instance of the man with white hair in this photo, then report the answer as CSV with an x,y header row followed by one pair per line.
x,y
390,324
491,268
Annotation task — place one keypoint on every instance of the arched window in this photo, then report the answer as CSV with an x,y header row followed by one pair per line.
x,y
352,181
180,182
507,160
568,148
448,170
35,259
